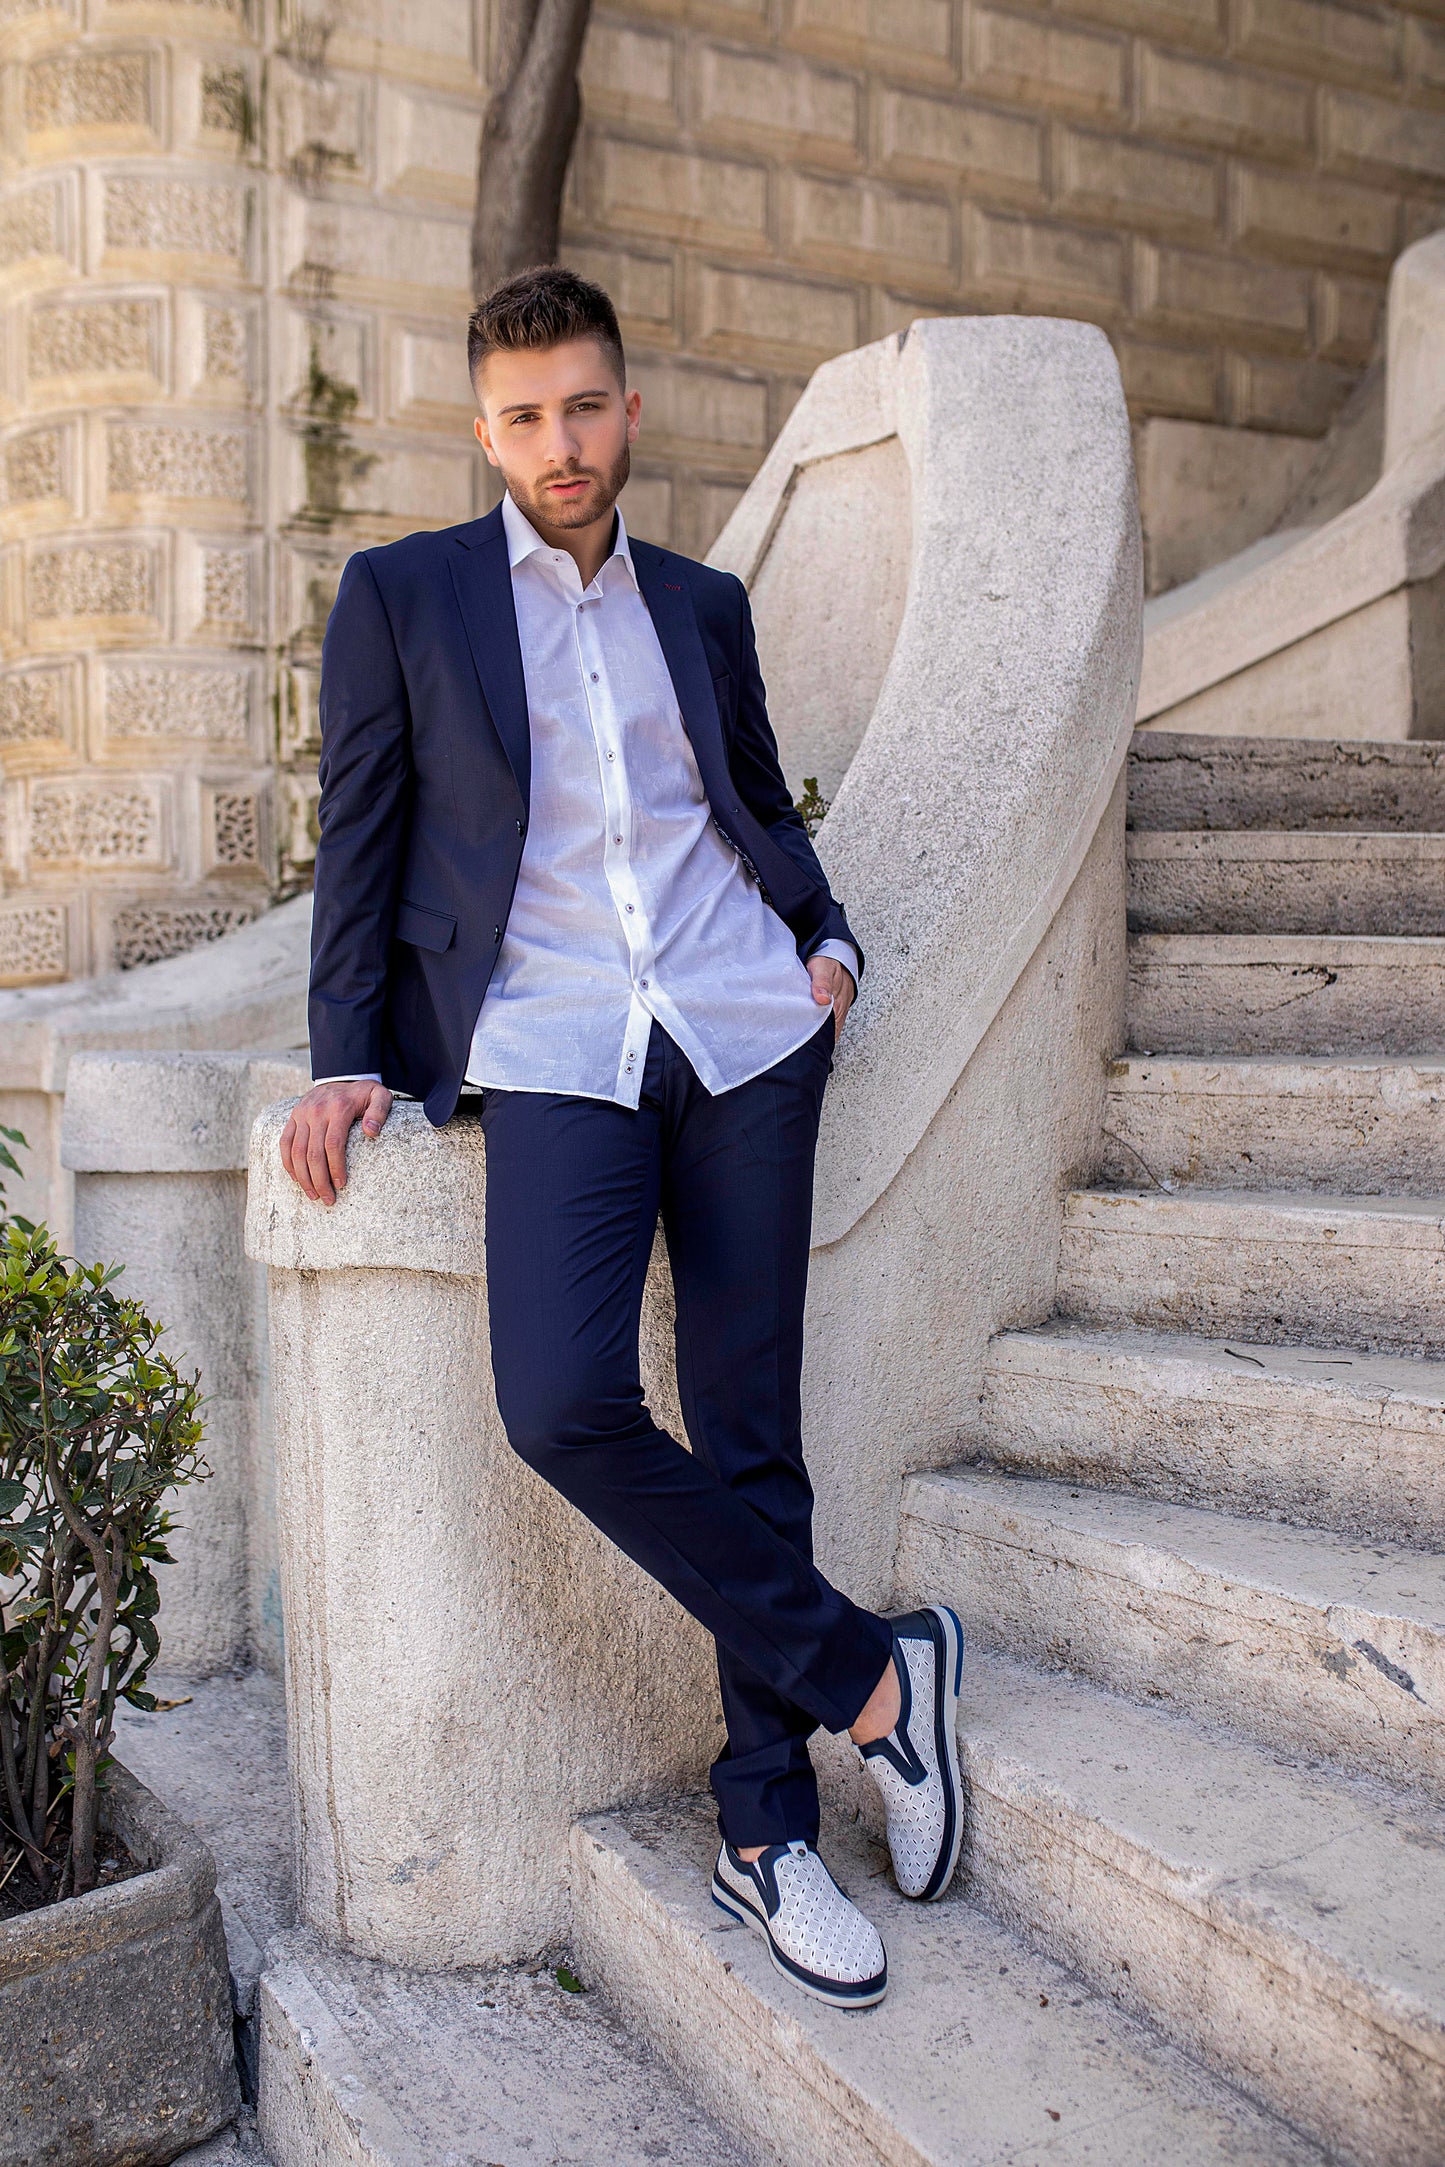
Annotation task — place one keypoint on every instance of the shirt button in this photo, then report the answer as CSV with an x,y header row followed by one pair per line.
x,y
629,907
612,756
644,985
617,838
594,677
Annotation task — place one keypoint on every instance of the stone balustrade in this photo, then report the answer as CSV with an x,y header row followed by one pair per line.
x,y
156,1145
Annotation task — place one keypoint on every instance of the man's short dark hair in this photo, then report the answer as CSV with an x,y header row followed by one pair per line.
x,y
541,307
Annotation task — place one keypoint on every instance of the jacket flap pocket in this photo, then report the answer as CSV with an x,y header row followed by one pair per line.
x,y
424,928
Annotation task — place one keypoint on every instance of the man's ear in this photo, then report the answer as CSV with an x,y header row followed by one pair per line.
x,y
484,439
632,406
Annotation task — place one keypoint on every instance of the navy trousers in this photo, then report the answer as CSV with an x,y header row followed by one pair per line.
x,y
574,1187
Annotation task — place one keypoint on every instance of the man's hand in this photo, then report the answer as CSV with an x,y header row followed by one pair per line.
x,y
831,982
313,1142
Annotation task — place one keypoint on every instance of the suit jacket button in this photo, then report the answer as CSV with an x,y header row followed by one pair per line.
x,y
521,827
496,932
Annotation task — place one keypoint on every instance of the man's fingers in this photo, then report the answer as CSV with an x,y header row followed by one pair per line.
x,y
287,1137
338,1128
378,1106
316,1164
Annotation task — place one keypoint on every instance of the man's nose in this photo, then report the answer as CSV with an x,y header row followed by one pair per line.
x,y
561,444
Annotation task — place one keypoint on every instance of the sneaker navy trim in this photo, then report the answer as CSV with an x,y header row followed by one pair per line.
x,y
845,1993
929,1625
902,1755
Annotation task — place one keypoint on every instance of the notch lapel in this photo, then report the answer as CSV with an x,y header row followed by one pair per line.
x,y
670,606
482,578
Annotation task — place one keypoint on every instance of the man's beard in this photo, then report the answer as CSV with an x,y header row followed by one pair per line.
x,y
581,511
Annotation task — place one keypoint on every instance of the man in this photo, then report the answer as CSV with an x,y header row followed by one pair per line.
x,y
559,864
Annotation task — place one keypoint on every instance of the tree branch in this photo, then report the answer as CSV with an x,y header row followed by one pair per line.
x,y
528,132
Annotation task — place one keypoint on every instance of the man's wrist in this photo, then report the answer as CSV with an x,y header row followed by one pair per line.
x,y
839,952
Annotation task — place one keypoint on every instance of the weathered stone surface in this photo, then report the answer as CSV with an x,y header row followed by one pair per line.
x,y
1254,646
1268,1265
115,2010
1184,780
1018,631
1311,1642
498,1576
363,2065
1349,1127
1284,1924
1250,881
1326,1437
1287,993
979,2046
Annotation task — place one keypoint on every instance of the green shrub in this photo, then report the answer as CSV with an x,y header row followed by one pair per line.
x,y
97,1425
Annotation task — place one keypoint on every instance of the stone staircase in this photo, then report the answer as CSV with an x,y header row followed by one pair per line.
x,y
1197,1553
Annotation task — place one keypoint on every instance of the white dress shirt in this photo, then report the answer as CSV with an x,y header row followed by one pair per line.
x,y
629,904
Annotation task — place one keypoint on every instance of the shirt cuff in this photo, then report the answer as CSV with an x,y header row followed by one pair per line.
x,y
365,1077
842,952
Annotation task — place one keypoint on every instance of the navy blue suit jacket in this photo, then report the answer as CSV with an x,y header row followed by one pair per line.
x,y
425,776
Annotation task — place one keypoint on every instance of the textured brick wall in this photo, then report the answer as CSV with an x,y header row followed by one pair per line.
x,y
1221,184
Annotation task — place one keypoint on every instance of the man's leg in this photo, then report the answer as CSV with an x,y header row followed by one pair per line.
x,y
737,1205
572,1198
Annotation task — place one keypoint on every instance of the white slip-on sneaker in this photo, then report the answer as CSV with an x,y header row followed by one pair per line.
x,y
916,1765
815,1936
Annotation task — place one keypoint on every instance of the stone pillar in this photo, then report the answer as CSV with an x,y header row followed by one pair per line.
x,y
157,1146
477,1667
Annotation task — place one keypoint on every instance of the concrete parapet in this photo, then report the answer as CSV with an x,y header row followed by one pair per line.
x,y
1337,631
156,1143
470,1666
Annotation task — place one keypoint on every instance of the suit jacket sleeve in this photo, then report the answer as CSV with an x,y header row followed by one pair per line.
x,y
366,787
758,774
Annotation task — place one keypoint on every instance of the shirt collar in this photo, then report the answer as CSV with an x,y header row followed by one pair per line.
x,y
524,541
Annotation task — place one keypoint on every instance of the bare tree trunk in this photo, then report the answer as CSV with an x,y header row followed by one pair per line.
x,y
528,132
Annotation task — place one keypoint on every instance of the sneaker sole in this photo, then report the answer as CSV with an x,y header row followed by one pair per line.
x,y
866,1995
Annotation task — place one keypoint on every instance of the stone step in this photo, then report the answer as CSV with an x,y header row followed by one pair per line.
x,y
984,2054
1290,993
1285,1925
1302,1639
1179,780
1262,1122
1254,880
1271,1265
1328,1437
366,2065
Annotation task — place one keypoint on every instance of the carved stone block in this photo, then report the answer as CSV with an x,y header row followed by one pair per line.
x,y
97,822
34,944
92,579
93,338
181,217
87,90
232,838
162,459
181,700
150,931
226,104
227,592
31,224
34,466
225,345
33,707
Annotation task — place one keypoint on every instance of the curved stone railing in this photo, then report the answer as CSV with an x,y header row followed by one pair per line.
x,y
246,990
469,1666
1002,721
1338,631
